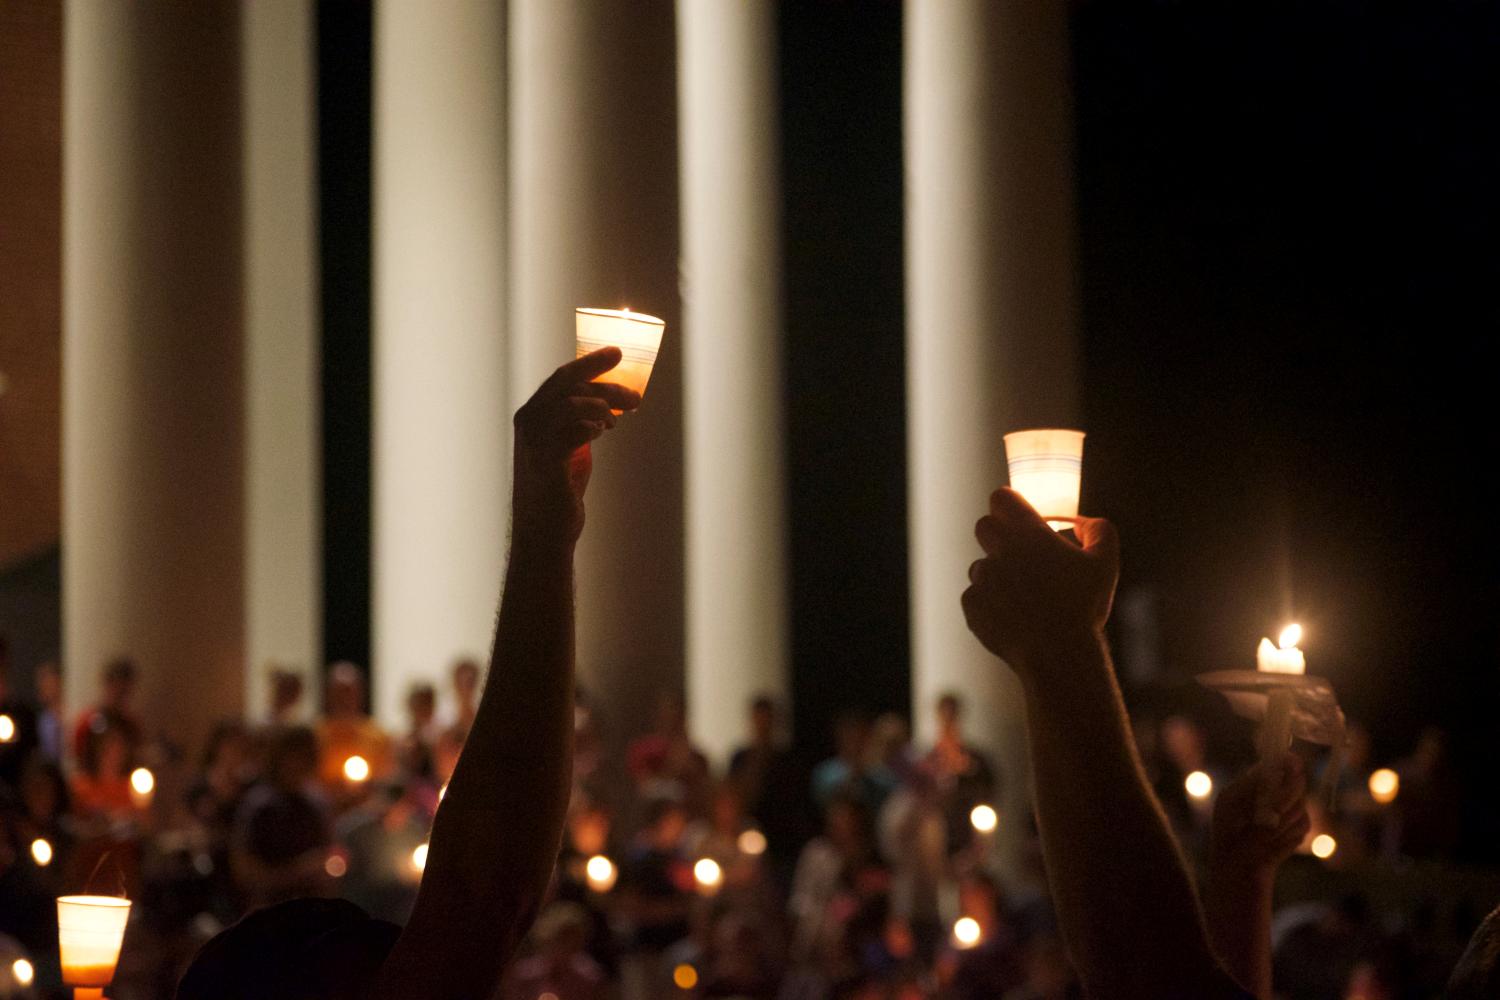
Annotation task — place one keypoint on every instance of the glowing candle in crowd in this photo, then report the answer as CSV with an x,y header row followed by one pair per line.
x,y
1384,784
90,930
7,729
1282,658
708,875
685,977
41,852
23,972
1046,467
142,787
601,873
1199,785
984,818
336,866
752,842
966,932
1323,846
356,769
419,858
637,335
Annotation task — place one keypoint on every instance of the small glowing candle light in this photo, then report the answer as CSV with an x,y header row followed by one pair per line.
x,y
1199,785
23,972
601,873
356,769
966,932
7,729
419,858
984,818
637,335
1046,467
1323,846
708,875
1384,784
752,842
41,852
90,930
142,787
336,866
685,977
1282,658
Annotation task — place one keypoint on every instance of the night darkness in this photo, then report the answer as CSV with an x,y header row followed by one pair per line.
x,y
1288,272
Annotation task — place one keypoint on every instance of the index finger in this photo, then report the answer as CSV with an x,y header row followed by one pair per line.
x,y
584,369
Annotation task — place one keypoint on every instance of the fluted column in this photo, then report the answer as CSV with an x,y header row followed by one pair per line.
x,y
153,508
283,502
594,223
441,418
731,290
991,317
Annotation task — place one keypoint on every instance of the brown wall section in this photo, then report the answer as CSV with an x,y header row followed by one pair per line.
x,y
30,275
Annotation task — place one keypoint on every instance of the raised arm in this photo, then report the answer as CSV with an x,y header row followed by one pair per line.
x,y
1124,901
1259,819
496,835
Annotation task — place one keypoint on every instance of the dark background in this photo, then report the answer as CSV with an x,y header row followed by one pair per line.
x,y
1288,275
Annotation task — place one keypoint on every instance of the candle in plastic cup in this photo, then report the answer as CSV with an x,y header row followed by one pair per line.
x,y
637,335
1046,467
90,930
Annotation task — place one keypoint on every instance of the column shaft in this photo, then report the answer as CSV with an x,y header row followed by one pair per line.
x,y
283,572
594,221
152,356
991,312
731,286
441,419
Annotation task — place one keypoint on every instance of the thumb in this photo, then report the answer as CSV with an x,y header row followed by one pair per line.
x,y
1099,538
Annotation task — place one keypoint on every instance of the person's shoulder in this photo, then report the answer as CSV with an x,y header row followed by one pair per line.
x,y
305,948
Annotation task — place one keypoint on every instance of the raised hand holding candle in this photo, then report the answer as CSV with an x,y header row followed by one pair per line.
x,y
637,335
90,930
1046,467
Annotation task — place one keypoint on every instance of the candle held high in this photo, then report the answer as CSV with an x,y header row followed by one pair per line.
x,y
1282,658
1046,467
90,930
637,335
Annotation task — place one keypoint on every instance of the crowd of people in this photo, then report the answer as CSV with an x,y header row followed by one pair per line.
x,y
565,866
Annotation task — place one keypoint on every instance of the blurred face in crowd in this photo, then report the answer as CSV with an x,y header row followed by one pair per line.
x,y
466,681
114,754
949,715
1182,742
588,830
48,685
669,828
843,824
763,721
852,736
286,692
294,760
119,686
421,706
345,691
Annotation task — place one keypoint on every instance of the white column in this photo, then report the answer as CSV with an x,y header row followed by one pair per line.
x,y
441,420
594,223
731,287
152,356
991,317
283,503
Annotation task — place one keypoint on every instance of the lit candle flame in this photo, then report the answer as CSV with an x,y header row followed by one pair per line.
x,y
419,858
7,729
984,818
1199,785
142,781
1323,846
356,768
752,842
966,932
708,874
1384,785
41,852
1290,636
601,873
22,971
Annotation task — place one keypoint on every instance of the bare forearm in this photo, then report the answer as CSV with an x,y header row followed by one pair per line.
x,y
1125,903
1237,905
496,836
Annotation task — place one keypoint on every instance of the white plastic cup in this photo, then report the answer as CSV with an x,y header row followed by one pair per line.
x,y
90,930
637,335
1046,467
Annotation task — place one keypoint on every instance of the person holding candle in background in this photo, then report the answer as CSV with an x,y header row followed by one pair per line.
x,y
496,836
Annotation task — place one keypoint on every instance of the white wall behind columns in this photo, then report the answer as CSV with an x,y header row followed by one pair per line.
x,y
283,502
594,223
991,317
731,336
441,417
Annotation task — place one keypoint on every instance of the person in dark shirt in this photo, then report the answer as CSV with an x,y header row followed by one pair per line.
x,y
281,837
496,835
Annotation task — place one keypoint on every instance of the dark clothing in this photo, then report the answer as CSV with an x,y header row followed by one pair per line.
x,y
13,754
305,949
278,826
656,876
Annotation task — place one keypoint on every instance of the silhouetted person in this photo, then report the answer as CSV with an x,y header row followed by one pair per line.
x,y
115,707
